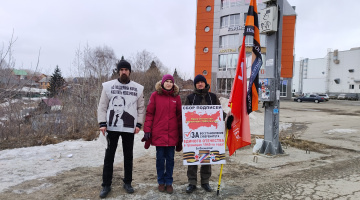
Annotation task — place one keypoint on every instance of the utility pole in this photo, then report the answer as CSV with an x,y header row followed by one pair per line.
x,y
271,20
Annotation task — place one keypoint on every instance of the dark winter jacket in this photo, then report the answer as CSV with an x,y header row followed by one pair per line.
x,y
163,117
202,97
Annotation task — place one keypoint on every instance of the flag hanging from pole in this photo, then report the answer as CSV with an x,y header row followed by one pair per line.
x,y
252,29
239,135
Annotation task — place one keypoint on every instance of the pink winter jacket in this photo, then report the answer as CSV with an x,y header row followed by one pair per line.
x,y
163,117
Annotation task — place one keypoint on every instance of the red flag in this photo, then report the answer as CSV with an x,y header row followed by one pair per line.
x,y
239,135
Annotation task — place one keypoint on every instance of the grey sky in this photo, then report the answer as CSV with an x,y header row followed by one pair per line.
x,y
323,24
164,27
58,27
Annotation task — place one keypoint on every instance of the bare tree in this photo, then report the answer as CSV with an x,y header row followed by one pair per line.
x,y
142,60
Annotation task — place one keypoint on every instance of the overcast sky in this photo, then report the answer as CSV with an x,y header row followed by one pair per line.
x,y
165,28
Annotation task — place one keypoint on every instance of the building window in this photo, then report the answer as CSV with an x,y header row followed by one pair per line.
x,y
230,20
224,22
206,50
283,88
249,39
208,8
245,15
231,3
229,41
351,86
224,85
229,83
228,62
234,20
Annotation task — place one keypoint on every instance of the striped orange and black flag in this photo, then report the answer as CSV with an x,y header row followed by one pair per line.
x,y
252,29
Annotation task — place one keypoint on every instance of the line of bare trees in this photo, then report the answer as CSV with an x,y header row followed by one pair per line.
x,y
80,96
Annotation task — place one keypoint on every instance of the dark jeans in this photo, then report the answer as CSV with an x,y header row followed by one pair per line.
x,y
128,144
205,174
165,164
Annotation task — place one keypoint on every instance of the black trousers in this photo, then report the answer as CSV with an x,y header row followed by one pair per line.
x,y
128,145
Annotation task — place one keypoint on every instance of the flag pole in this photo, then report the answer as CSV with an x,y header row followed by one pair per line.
x,y
221,169
218,189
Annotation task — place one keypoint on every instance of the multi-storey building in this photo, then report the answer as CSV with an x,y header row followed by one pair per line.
x,y
219,32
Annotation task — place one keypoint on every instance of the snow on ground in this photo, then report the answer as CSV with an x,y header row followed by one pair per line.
x,y
341,131
30,89
8,103
23,164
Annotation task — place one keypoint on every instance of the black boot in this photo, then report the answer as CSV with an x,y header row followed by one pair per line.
x,y
190,188
129,189
105,191
206,187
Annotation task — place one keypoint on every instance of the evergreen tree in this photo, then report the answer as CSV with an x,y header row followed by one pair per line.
x,y
178,80
152,76
176,76
56,83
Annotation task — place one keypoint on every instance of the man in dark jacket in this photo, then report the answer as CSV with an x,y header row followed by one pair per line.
x,y
200,96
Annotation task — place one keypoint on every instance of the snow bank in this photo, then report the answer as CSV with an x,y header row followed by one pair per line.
x,y
23,164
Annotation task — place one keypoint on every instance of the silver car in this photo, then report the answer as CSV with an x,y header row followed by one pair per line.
x,y
326,97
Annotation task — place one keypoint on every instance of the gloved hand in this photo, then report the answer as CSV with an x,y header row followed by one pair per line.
x,y
178,147
229,121
146,137
147,143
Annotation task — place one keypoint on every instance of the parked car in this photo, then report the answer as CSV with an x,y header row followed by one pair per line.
x,y
333,96
326,97
352,96
342,96
310,97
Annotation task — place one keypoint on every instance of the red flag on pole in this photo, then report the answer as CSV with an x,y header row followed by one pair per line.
x,y
239,135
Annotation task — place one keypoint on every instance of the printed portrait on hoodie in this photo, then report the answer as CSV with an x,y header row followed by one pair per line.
x,y
118,117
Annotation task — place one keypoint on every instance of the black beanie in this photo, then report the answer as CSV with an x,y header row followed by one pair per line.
x,y
199,78
123,64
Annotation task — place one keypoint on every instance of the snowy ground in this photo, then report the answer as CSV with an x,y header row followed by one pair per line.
x,y
22,164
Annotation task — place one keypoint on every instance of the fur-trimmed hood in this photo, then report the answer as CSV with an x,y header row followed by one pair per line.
x,y
160,90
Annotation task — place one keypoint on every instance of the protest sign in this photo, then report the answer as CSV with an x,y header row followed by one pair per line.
x,y
203,135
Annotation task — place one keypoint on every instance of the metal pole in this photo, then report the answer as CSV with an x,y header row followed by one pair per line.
x,y
271,145
222,165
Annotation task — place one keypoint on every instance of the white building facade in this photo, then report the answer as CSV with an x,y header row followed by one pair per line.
x,y
338,72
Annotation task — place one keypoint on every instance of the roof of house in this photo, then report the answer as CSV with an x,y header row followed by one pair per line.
x,y
52,102
20,72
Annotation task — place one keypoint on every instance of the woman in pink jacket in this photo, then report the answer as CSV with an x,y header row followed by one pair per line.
x,y
162,129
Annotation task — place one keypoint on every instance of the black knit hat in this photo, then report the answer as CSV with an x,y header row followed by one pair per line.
x,y
123,64
199,78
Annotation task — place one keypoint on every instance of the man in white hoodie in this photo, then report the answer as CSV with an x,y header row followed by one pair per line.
x,y
130,94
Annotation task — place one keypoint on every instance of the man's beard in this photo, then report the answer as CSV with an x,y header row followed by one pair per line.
x,y
124,79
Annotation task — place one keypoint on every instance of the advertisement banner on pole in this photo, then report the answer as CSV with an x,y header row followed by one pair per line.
x,y
203,135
